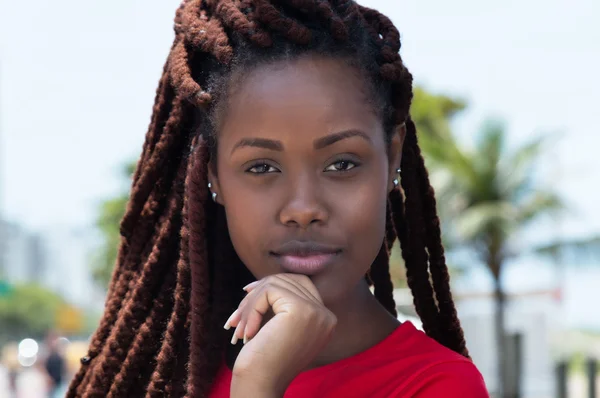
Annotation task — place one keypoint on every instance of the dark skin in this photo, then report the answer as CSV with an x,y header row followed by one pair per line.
x,y
302,157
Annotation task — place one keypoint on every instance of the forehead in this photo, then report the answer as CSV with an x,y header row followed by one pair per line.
x,y
307,93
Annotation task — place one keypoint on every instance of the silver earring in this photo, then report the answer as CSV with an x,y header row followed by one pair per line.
x,y
396,180
398,170
214,195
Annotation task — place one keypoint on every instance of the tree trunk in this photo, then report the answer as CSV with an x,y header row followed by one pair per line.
x,y
499,301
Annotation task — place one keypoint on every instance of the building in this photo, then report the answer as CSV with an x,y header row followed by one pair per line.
x,y
22,258
56,258
531,321
68,254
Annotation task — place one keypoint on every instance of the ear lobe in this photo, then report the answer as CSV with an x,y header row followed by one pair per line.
x,y
401,130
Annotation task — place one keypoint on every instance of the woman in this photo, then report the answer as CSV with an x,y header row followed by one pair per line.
x,y
266,200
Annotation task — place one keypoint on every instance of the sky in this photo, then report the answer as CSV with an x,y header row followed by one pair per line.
x,y
77,82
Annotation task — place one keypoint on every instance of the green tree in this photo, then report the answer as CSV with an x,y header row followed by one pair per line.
x,y
110,213
433,114
28,310
489,196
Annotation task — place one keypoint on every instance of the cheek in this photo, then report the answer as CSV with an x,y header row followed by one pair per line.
x,y
246,222
362,215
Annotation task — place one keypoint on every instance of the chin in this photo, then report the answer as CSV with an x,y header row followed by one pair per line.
x,y
332,288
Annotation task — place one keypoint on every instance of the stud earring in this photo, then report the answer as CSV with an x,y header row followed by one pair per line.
x,y
398,170
214,194
396,180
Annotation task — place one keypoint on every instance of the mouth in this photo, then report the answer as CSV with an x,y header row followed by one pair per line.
x,y
307,258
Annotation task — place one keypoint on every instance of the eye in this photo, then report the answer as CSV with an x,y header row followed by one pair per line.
x,y
261,168
341,165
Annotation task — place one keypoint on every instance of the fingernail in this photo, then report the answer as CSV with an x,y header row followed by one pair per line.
x,y
245,338
250,285
228,323
234,339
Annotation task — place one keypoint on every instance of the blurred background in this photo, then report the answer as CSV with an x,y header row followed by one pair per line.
x,y
506,104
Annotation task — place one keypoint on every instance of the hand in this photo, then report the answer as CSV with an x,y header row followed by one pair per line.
x,y
277,352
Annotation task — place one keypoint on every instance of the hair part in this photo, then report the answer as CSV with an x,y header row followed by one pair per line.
x,y
176,274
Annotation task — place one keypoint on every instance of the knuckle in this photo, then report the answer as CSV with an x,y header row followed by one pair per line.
x,y
269,284
243,304
331,319
327,317
303,280
321,318
295,278
270,281
311,311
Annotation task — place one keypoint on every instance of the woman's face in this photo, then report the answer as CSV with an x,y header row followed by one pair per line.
x,y
303,173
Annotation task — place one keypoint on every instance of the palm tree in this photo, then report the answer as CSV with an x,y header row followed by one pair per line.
x,y
487,195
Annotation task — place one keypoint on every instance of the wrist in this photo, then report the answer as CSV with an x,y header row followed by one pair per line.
x,y
254,386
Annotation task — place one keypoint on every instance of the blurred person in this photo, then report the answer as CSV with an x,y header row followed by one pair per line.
x,y
280,166
11,366
54,365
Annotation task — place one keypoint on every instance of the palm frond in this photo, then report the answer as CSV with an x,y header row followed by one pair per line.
x,y
573,250
478,219
539,203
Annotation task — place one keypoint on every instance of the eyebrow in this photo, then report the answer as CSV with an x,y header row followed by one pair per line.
x,y
319,143
331,139
259,143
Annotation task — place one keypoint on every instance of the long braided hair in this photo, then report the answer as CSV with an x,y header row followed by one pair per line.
x,y
177,274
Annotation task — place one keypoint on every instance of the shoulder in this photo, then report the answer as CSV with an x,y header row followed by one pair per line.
x,y
452,379
437,371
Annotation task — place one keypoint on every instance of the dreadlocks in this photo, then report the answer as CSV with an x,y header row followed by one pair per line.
x,y
177,272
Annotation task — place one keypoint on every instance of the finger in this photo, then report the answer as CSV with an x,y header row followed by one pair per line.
x,y
248,288
289,286
294,282
233,319
238,334
251,315
247,298
303,284
257,286
253,324
272,296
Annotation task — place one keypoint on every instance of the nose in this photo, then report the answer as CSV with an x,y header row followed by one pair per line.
x,y
304,206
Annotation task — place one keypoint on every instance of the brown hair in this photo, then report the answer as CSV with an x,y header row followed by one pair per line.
x,y
177,277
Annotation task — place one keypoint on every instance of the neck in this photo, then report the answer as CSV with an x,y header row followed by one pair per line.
x,y
362,322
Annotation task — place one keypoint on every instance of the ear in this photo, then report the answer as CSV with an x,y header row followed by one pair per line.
x,y
395,154
214,182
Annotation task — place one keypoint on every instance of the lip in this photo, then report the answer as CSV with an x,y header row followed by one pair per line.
x,y
307,258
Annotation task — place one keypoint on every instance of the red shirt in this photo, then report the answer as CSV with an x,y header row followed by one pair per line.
x,y
407,363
